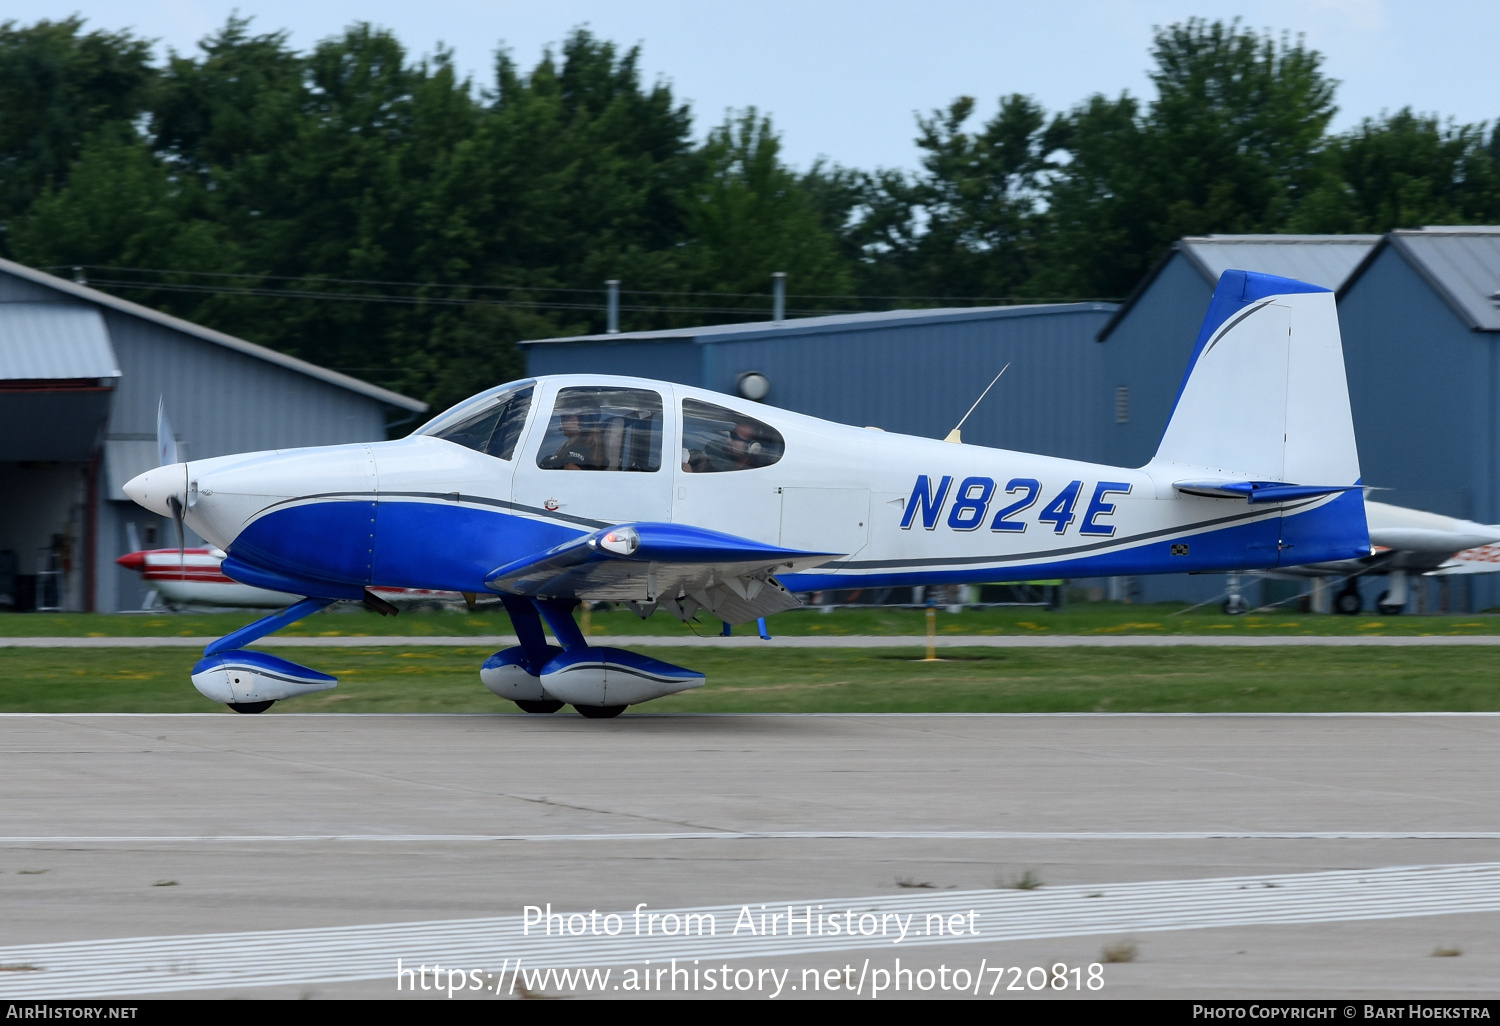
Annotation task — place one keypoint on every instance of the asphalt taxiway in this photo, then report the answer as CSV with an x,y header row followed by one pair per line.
x,y
1240,855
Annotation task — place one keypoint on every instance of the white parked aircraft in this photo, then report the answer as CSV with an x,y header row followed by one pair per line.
x,y
1405,542
559,489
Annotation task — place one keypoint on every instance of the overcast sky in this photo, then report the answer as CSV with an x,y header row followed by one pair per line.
x,y
842,78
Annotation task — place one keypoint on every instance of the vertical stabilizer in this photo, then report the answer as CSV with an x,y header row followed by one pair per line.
x,y
1265,396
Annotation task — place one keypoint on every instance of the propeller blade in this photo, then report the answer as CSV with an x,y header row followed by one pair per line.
x,y
177,514
166,441
167,455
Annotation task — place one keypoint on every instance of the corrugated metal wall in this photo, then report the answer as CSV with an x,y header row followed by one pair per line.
x,y
1148,352
913,378
920,379
1423,390
221,401
676,360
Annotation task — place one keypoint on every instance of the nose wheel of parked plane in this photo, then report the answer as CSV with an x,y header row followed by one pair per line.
x,y
600,712
251,707
539,706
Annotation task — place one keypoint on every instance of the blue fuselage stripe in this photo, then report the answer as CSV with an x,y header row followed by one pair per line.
x,y
454,547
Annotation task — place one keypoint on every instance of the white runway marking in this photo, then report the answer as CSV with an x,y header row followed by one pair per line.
x,y
64,840
848,641
151,965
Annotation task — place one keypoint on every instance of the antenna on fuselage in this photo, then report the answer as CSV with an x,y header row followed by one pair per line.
x,y
953,435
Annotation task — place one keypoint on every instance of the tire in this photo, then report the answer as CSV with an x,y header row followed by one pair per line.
x,y
539,706
599,712
251,707
1234,605
1347,603
1386,609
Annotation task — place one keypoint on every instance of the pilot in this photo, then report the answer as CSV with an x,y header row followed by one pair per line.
x,y
579,449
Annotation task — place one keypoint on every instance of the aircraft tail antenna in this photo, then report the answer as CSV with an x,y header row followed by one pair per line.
x,y
953,436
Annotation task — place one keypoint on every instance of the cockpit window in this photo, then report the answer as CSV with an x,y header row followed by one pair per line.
x,y
494,429
716,440
603,429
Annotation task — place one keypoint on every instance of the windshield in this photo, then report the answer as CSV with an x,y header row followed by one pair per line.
x,y
490,423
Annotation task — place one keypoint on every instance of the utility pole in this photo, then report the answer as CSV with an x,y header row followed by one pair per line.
x,y
778,296
612,316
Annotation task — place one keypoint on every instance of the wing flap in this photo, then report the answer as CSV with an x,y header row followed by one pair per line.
x,y
680,568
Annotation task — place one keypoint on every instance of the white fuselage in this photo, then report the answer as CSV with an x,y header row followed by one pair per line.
x,y
426,512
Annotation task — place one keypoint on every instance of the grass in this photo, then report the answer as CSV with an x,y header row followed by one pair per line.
x,y
1080,618
818,680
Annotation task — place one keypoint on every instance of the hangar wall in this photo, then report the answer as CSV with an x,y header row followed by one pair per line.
x,y
223,395
913,371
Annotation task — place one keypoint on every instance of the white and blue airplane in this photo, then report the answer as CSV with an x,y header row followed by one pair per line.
x,y
553,490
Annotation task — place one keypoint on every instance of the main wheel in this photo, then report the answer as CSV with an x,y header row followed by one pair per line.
x,y
1348,603
539,706
1234,605
251,707
1386,608
599,712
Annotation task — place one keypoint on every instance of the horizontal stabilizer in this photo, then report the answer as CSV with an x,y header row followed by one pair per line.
x,y
680,568
1258,491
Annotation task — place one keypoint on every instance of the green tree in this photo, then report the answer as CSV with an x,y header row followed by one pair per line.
x,y
748,215
966,224
1403,171
1231,143
59,88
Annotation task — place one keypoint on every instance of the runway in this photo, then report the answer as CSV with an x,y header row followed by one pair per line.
x,y
1245,855
805,641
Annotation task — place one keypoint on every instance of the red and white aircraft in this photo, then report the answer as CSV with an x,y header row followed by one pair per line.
x,y
195,578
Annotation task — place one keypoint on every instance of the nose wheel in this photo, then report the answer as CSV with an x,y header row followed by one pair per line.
x,y
251,707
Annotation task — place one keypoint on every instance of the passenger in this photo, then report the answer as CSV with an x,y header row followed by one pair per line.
x,y
743,446
739,450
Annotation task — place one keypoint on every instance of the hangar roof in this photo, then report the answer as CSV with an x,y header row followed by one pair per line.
x,y
1326,260
833,323
1462,265
219,338
54,341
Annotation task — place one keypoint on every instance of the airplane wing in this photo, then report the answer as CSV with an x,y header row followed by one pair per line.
x,y
1484,559
681,569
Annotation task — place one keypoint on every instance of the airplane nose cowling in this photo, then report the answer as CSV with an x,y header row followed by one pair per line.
x,y
153,488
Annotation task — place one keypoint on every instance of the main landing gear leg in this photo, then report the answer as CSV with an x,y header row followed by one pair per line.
x,y
1392,601
252,682
1234,602
598,682
515,673
559,616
